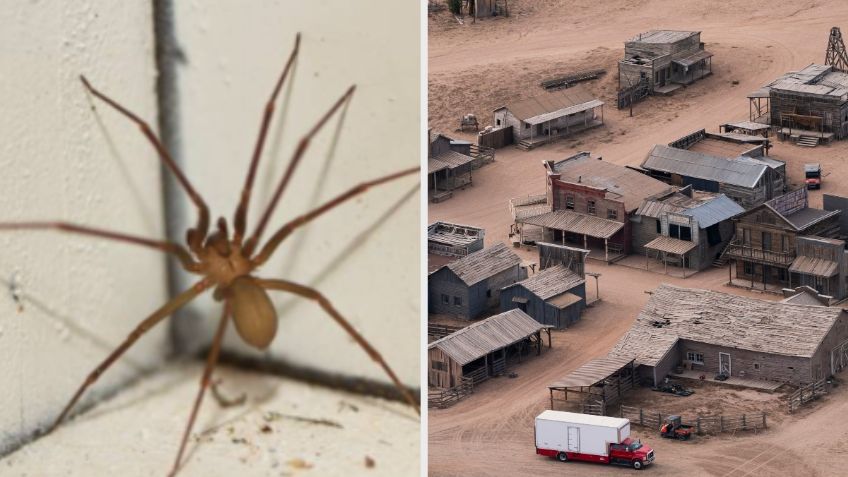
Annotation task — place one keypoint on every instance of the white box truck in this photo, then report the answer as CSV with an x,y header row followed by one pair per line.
x,y
572,436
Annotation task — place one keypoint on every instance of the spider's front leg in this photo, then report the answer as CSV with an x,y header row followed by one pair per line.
x,y
323,302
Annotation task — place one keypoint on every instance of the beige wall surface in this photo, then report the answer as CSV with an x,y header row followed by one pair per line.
x,y
79,296
364,255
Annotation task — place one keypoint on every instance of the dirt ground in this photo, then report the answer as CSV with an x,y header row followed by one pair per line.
x,y
476,68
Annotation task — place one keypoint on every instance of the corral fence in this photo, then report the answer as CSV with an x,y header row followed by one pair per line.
x,y
633,94
482,155
806,394
448,397
440,331
752,421
496,138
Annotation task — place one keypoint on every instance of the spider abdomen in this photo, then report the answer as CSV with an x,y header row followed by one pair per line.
x,y
253,313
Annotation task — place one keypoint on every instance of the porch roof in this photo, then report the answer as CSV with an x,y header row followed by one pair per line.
x,y
691,60
575,222
814,266
670,245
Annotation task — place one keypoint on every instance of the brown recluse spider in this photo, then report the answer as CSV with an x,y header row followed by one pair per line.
x,y
226,262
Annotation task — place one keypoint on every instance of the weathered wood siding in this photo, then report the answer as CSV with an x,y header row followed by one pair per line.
x,y
821,359
445,282
521,130
542,311
750,364
445,378
833,111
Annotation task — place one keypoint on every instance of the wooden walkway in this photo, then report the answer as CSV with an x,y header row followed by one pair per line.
x,y
768,386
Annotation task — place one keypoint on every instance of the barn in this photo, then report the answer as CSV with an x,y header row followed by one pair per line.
x,y
711,332
480,350
471,285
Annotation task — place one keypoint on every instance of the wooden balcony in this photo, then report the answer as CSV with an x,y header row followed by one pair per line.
x,y
737,251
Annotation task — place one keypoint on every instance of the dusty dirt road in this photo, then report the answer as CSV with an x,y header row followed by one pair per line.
x,y
476,68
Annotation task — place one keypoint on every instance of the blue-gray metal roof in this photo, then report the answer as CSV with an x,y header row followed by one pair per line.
x,y
714,211
742,172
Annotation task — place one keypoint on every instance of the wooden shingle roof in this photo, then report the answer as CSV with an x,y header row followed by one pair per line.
x,y
551,281
486,336
482,264
724,320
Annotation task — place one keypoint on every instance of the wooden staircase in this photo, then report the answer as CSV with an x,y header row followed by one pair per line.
x,y
808,141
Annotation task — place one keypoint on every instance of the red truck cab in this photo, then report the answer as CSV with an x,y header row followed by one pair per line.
x,y
631,452
813,176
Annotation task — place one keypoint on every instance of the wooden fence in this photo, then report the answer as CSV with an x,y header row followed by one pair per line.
x,y
806,394
701,424
570,80
482,154
633,94
440,331
448,397
496,138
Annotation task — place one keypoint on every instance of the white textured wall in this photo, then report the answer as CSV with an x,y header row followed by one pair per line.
x,y
233,57
60,160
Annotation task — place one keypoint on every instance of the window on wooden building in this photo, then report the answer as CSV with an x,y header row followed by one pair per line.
x,y
445,299
748,268
457,301
590,207
439,365
612,214
713,235
757,366
680,232
569,202
697,358
498,122
659,226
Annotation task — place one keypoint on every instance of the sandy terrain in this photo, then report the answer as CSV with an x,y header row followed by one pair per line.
x,y
475,68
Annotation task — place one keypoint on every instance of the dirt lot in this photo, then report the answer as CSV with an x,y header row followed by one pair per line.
x,y
476,68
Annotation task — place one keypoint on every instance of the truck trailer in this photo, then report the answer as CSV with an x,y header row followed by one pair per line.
x,y
572,436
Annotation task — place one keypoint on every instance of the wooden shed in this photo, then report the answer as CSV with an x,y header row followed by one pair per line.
x,y
597,384
709,332
471,285
554,296
480,350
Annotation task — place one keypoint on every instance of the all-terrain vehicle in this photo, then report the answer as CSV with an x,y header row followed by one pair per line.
x,y
674,429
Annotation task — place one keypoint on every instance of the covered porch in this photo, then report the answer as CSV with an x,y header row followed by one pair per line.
x,y
595,385
446,172
817,273
550,127
600,236
669,250
692,68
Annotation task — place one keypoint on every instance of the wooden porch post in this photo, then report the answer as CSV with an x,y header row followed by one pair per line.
x,y
647,265
606,250
585,241
683,262
665,264
729,273
552,397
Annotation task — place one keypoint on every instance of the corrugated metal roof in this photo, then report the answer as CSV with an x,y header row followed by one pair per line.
x,y
447,160
670,245
814,266
744,173
592,372
813,79
575,222
749,126
551,281
550,102
662,36
482,264
621,183
564,112
481,338
724,320
718,209
808,216
691,60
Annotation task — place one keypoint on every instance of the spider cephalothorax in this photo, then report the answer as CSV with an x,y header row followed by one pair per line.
x,y
227,261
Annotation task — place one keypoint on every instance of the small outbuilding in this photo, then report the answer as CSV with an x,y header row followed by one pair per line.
x,y
665,59
554,296
471,285
480,350
549,116
711,332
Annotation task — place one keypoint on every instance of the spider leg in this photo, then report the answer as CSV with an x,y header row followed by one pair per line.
x,y
157,316
168,247
240,219
323,302
281,234
296,157
211,361
196,236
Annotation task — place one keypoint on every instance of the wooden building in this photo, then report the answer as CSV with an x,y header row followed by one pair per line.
x,y
685,228
665,59
805,295
550,116
453,240
598,384
554,296
591,203
764,243
711,332
471,285
812,103
749,181
820,264
449,167
480,350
